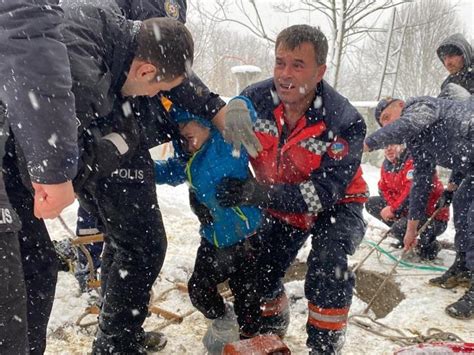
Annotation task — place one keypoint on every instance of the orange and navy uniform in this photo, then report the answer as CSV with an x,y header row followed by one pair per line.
x,y
314,166
395,183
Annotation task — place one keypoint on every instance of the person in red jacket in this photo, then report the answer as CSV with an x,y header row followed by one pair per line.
x,y
391,206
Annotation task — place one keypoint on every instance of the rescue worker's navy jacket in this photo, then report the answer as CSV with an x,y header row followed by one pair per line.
x,y
464,77
317,164
203,172
101,46
437,132
395,183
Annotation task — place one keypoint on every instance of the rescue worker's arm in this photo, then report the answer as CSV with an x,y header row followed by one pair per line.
x,y
145,9
325,187
415,118
424,168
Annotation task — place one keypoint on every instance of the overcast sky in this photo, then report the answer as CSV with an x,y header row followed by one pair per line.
x,y
277,21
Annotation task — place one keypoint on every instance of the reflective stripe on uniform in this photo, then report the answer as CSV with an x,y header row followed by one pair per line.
x,y
327,318
118,141
310,196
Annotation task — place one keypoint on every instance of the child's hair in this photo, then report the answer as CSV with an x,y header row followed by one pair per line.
x,y
182,116
167,44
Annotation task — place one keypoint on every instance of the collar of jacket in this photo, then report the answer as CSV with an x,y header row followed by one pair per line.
x,y
399,163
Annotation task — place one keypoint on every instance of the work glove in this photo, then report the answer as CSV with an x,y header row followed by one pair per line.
x,y
232,192
238,128
445,199
199,209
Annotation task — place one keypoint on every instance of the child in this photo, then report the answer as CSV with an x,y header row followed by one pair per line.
x,y
225,252
391,206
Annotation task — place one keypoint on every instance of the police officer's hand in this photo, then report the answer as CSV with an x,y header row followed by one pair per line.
x,y
234,192
51,199
409,241
238,128
445,199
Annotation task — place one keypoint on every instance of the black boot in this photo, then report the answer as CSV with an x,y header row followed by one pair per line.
x,y
456,275
429,252
275,316
464,307
326,342
154,341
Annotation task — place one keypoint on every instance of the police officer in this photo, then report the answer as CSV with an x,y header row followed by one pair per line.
x,y
36,85
308,179
437,132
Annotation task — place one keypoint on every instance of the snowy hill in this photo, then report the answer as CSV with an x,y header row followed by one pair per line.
x,y
422,308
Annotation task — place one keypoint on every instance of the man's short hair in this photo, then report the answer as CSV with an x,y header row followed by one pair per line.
x,y
167,44
294,36
382,105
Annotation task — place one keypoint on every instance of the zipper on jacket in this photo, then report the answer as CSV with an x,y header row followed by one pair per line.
x,y
241,215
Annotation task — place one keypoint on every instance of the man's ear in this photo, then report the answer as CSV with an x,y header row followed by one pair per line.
x,y
321,71
146,71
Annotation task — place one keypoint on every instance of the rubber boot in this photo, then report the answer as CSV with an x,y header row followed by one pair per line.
x,y
464,307
429,252
221,331
275,316
106,344
456,275
327,342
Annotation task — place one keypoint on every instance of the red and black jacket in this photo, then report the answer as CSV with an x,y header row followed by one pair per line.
x,y
395,183
314,166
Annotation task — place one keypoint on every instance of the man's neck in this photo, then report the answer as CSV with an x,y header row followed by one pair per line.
x,y
293,112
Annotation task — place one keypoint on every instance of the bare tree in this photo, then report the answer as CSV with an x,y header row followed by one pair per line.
x,y
420,71
349,21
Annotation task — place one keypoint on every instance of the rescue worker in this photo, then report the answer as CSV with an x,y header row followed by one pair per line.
x,y
391,207
455,53
437,132
307,142
36,89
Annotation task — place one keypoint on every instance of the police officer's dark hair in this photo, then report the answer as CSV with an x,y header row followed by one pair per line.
x,y
167,44
294,36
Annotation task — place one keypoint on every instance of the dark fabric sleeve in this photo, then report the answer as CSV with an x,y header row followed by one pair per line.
x,y
425,167
329,182
415,118
194,96
36,87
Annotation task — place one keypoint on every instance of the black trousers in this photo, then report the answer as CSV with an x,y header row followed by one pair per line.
x,y
13,323
215,265
375,205
38,256
134,251
463,208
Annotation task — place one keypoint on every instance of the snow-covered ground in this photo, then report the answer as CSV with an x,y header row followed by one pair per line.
x,y
423,307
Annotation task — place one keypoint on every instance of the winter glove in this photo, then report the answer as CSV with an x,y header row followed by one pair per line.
x,y
235,192
445,199
200,210
238,128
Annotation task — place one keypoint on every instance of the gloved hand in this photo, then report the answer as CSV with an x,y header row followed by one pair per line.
x,y
445,199
232,192
238,128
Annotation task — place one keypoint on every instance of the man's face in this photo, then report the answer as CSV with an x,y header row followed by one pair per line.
x,y
195,135
296,73
393,151
391,113
453,63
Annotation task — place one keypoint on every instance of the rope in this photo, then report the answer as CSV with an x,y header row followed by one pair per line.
x,y
398,336
405,263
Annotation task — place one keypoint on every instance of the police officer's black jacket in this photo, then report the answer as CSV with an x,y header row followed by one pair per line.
x,y
101,46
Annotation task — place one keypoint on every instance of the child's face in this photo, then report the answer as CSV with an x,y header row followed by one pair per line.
x,y
195,134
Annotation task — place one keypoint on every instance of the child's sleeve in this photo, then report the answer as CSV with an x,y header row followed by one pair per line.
x,y
170,171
